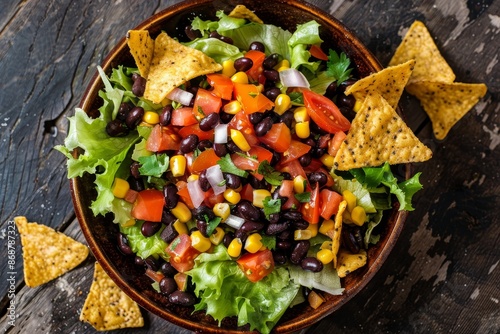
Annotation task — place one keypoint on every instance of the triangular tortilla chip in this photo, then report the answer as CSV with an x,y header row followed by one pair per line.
x,y
390,83
173,64
336,232
47,254
379,135
141,47
446,103
107,307
419,45
242,12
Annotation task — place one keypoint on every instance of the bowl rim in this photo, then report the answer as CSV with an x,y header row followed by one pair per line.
x,y
102,258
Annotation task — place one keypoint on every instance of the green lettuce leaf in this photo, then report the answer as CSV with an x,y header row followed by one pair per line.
x,y
362,194
154,165
145,246
326,280
216,49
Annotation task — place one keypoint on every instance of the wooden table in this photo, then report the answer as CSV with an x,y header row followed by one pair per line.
x,y
443,274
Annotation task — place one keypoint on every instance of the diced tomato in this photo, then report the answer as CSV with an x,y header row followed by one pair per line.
x,y
278,138
313,166
154,275
183,193
324,112
247,192
256,266
241,122
257,59
286,190
211,199
255,156
317,52
251,98
222,85
330,201
295,151
323,140
329,179
149,205
206,103
195,129
310,210
293,168
181,253
335,142
183,117
206,159
163,138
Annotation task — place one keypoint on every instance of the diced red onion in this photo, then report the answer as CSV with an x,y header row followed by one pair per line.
x,y
216,179
181,96
220,134
234,221
196,193
292,77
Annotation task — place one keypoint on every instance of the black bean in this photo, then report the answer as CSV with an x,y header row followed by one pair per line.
x,y
116,128
169,233
134,117
228,237
352,239
227,40
209,122
346,101
285,235
232,147
191,33
342,87
316,129
204,144
139,86
312,264
166,115
200,212
148,229
279,258
271,75
300,251
243,64
139,261
123,111
317,152
283,244
248,211
182,298
167,285
300,224
305,160
220,149
203,181
256,117
263,126
272,93
167,218
291,215
251,227
189,143
331,90
317,178
171,197
287,118
348,113
134,169
286,176
225,117
274,218
123,244
256,183
202,226
271,61
167,269
152,263
257,46
232,181
274,229
136,184
135,75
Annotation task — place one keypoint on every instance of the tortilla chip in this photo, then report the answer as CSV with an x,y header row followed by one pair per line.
x,y
349,262
419,45
107,307
141,47
446,103
173,64
47,254
242,12
379,135
336,232
389,83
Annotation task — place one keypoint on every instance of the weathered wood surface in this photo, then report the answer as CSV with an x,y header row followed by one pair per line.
x,y
443,274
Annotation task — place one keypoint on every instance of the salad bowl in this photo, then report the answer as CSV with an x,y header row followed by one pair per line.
x,y
101,233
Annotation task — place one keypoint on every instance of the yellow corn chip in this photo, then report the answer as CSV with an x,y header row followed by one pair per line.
x,y
107,307
379,135
242,12
336,232
419,45
389,83
141,47
173,64
47,254
349,262
446,103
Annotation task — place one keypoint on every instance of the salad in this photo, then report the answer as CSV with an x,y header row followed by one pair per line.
x,y
225,191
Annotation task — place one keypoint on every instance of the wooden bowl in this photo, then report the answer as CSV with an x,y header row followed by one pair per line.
x,y
101,233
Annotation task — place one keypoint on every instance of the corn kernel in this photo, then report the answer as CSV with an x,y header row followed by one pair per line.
x,y
302,235
165,102
180,227
299,184
120,188
128,223
300,115
200,242
358,215
350,198
240,140
232,196
282,65
326,225
326,245
253,243
327,160
222,210
192,178
325,256
178,165
228,68
217,236
282,103
232,107
234,248
357,105
151,117
346,215
258,197
302,130
181,212
314,229
240,77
